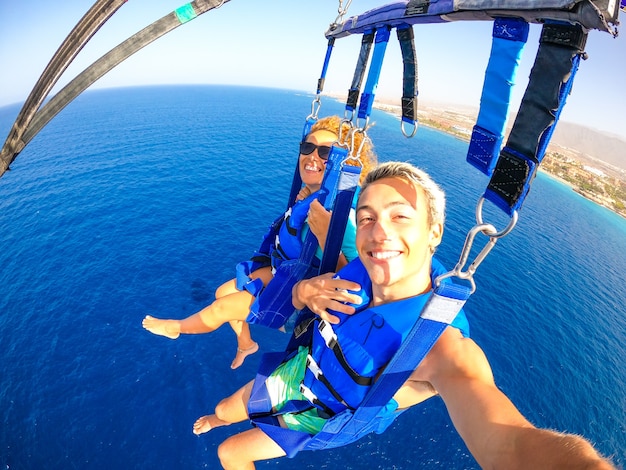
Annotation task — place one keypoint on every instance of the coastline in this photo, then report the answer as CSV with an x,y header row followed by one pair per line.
x,y
562,164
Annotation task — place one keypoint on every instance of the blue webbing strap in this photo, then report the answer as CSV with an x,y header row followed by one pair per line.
x,y
551,78
367,98
359,72
329,49
409,77
327,195
442,307
509,37
346,189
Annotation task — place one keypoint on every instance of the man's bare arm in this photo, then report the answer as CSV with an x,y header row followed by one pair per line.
x,y
494,430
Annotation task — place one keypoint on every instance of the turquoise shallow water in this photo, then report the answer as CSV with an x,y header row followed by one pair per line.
x,y
142,200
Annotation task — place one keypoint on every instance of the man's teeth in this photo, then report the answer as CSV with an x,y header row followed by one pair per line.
x,y
384,254
310,168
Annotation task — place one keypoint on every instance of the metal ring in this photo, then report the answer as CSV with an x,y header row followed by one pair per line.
x,y
479,220
408,136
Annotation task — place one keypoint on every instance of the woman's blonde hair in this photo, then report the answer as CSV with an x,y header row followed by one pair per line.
x,y
355,140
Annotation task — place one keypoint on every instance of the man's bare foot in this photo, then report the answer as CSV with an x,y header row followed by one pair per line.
x,y
242,354
167,328
206,423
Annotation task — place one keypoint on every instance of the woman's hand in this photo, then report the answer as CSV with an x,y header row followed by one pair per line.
x,y
303,194
322,293
319,221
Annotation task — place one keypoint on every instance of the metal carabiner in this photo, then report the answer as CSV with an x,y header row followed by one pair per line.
x,y
315,110
341,138
468,274
365,125
341,10
356,156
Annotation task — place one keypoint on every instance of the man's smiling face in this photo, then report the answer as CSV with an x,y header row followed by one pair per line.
x,y
394,237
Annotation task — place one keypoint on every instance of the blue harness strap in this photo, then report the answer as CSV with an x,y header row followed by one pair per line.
x,y
509,38
347,186
550,82
322,79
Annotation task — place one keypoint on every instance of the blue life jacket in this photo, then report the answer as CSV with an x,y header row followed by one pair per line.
x,y
345,358
282,242
288,242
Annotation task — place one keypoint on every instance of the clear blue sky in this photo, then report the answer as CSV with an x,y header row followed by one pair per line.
x,y
281,44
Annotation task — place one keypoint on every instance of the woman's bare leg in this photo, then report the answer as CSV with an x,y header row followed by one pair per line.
x,y
230,307
245,344
191,325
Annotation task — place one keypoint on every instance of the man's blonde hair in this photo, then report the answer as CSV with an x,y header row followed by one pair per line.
x,y
434,194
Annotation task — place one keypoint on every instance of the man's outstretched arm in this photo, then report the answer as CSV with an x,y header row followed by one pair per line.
x,y
494,430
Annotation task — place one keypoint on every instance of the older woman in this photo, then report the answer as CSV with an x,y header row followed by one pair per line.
x,y
232,303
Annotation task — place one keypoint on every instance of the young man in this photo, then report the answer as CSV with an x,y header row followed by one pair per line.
x,y
400,216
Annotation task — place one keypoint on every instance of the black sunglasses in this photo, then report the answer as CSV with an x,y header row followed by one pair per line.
x,y
307,148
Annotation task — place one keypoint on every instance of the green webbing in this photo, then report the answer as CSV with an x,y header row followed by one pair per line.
x,y
185,13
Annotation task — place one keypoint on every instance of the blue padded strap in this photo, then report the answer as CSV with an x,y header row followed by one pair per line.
x,y
550,82
359,71
509,38
367,98
327,195
347,186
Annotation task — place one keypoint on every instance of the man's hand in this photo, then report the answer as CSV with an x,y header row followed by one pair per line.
x,y
322,293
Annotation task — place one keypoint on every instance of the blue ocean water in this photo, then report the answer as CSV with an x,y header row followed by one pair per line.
x,y
142,200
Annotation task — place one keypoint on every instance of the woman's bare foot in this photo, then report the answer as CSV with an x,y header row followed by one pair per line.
x,y
242,354
206,423
167,328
